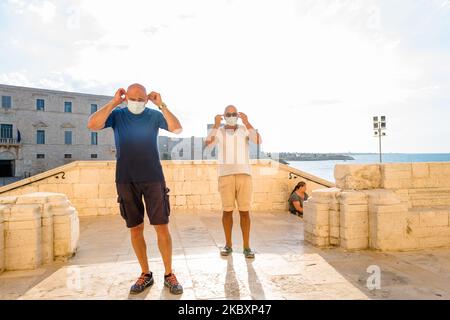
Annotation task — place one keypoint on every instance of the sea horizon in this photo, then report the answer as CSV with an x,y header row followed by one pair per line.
x,y
325,168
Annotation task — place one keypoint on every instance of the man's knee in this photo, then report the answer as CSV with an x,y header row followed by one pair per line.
x,y
162,231
137,232
228,214
244,214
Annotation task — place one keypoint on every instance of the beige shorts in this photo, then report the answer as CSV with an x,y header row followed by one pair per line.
x,y
236,188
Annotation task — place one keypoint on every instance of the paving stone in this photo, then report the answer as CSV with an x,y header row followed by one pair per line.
x,y
285,267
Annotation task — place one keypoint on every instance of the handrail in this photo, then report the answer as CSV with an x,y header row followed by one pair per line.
x,y
56,175
293,175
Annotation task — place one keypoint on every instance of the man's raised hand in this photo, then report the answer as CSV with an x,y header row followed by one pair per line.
x,y
243,117
218,120
155,97
119,97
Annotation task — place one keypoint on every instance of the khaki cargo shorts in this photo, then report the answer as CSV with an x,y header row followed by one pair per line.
x,y
236,188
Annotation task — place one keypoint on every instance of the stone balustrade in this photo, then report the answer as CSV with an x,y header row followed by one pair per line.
x,y
402,206
36,229
91,188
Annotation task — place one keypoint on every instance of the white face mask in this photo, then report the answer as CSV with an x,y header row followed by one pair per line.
x,y
231,121
136,107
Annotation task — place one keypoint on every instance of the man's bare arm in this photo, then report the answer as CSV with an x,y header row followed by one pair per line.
x,y
97,120
254,135
173,124
212,139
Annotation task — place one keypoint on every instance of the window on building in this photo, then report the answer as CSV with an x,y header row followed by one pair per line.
x,y
68,106
6,131
6,102
67,137
40,104
40,156
94,108
40,137
67,156
94,156
94,138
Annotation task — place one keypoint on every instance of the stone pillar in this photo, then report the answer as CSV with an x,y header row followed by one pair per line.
x,y
40,199
23,234
66,228
2,239
334,217
5,209
354,220
316,218
387,220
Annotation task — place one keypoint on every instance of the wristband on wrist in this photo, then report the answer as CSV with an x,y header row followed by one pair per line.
x,y
162,106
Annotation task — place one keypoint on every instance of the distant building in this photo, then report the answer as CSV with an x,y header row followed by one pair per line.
x,y
43,129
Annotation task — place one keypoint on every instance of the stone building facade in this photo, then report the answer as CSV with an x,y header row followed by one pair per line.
x,y
43,129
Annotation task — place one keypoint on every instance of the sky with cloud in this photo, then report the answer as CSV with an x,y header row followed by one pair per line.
x,y
309,74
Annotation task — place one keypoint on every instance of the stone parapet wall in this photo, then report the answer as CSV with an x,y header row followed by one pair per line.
x,y
36,229
90,185
382,207
394,176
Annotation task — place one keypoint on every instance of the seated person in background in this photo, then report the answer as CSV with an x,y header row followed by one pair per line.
x,y
296,199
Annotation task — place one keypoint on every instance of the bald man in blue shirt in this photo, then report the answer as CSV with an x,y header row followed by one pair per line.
x,y
139,173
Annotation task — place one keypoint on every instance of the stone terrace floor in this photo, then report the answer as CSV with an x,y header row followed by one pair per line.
x,y
285,266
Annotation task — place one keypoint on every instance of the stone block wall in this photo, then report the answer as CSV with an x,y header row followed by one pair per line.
x,y
36,229
385,207
90,185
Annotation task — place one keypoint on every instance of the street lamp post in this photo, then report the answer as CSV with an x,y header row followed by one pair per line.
x,y
379,126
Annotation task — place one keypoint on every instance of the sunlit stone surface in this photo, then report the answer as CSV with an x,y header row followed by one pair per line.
x,y
388,207
285,266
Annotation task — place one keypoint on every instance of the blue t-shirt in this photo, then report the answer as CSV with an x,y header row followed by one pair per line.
x,y
136,138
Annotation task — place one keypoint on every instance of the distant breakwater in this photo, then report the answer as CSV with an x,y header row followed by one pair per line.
x,y
314,157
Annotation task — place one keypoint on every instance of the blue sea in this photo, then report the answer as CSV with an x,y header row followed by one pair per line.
x,y
325,169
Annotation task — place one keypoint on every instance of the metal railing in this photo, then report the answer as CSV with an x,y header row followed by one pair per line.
x,y
9,141
58,175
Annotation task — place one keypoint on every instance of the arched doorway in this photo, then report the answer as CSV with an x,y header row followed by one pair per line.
x,y
7,169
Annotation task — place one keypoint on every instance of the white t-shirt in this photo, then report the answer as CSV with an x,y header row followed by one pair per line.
x,y
233,151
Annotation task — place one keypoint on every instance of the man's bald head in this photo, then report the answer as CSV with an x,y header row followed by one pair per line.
x,y
137,92
230,109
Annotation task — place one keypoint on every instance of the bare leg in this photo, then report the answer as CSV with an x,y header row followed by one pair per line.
x,y
165,246
139,246
227,221
245,227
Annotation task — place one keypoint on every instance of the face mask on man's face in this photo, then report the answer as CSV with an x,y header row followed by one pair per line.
x,y
231,121
136,107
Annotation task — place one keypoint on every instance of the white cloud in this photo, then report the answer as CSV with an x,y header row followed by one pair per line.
x,y
289,64
15,79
